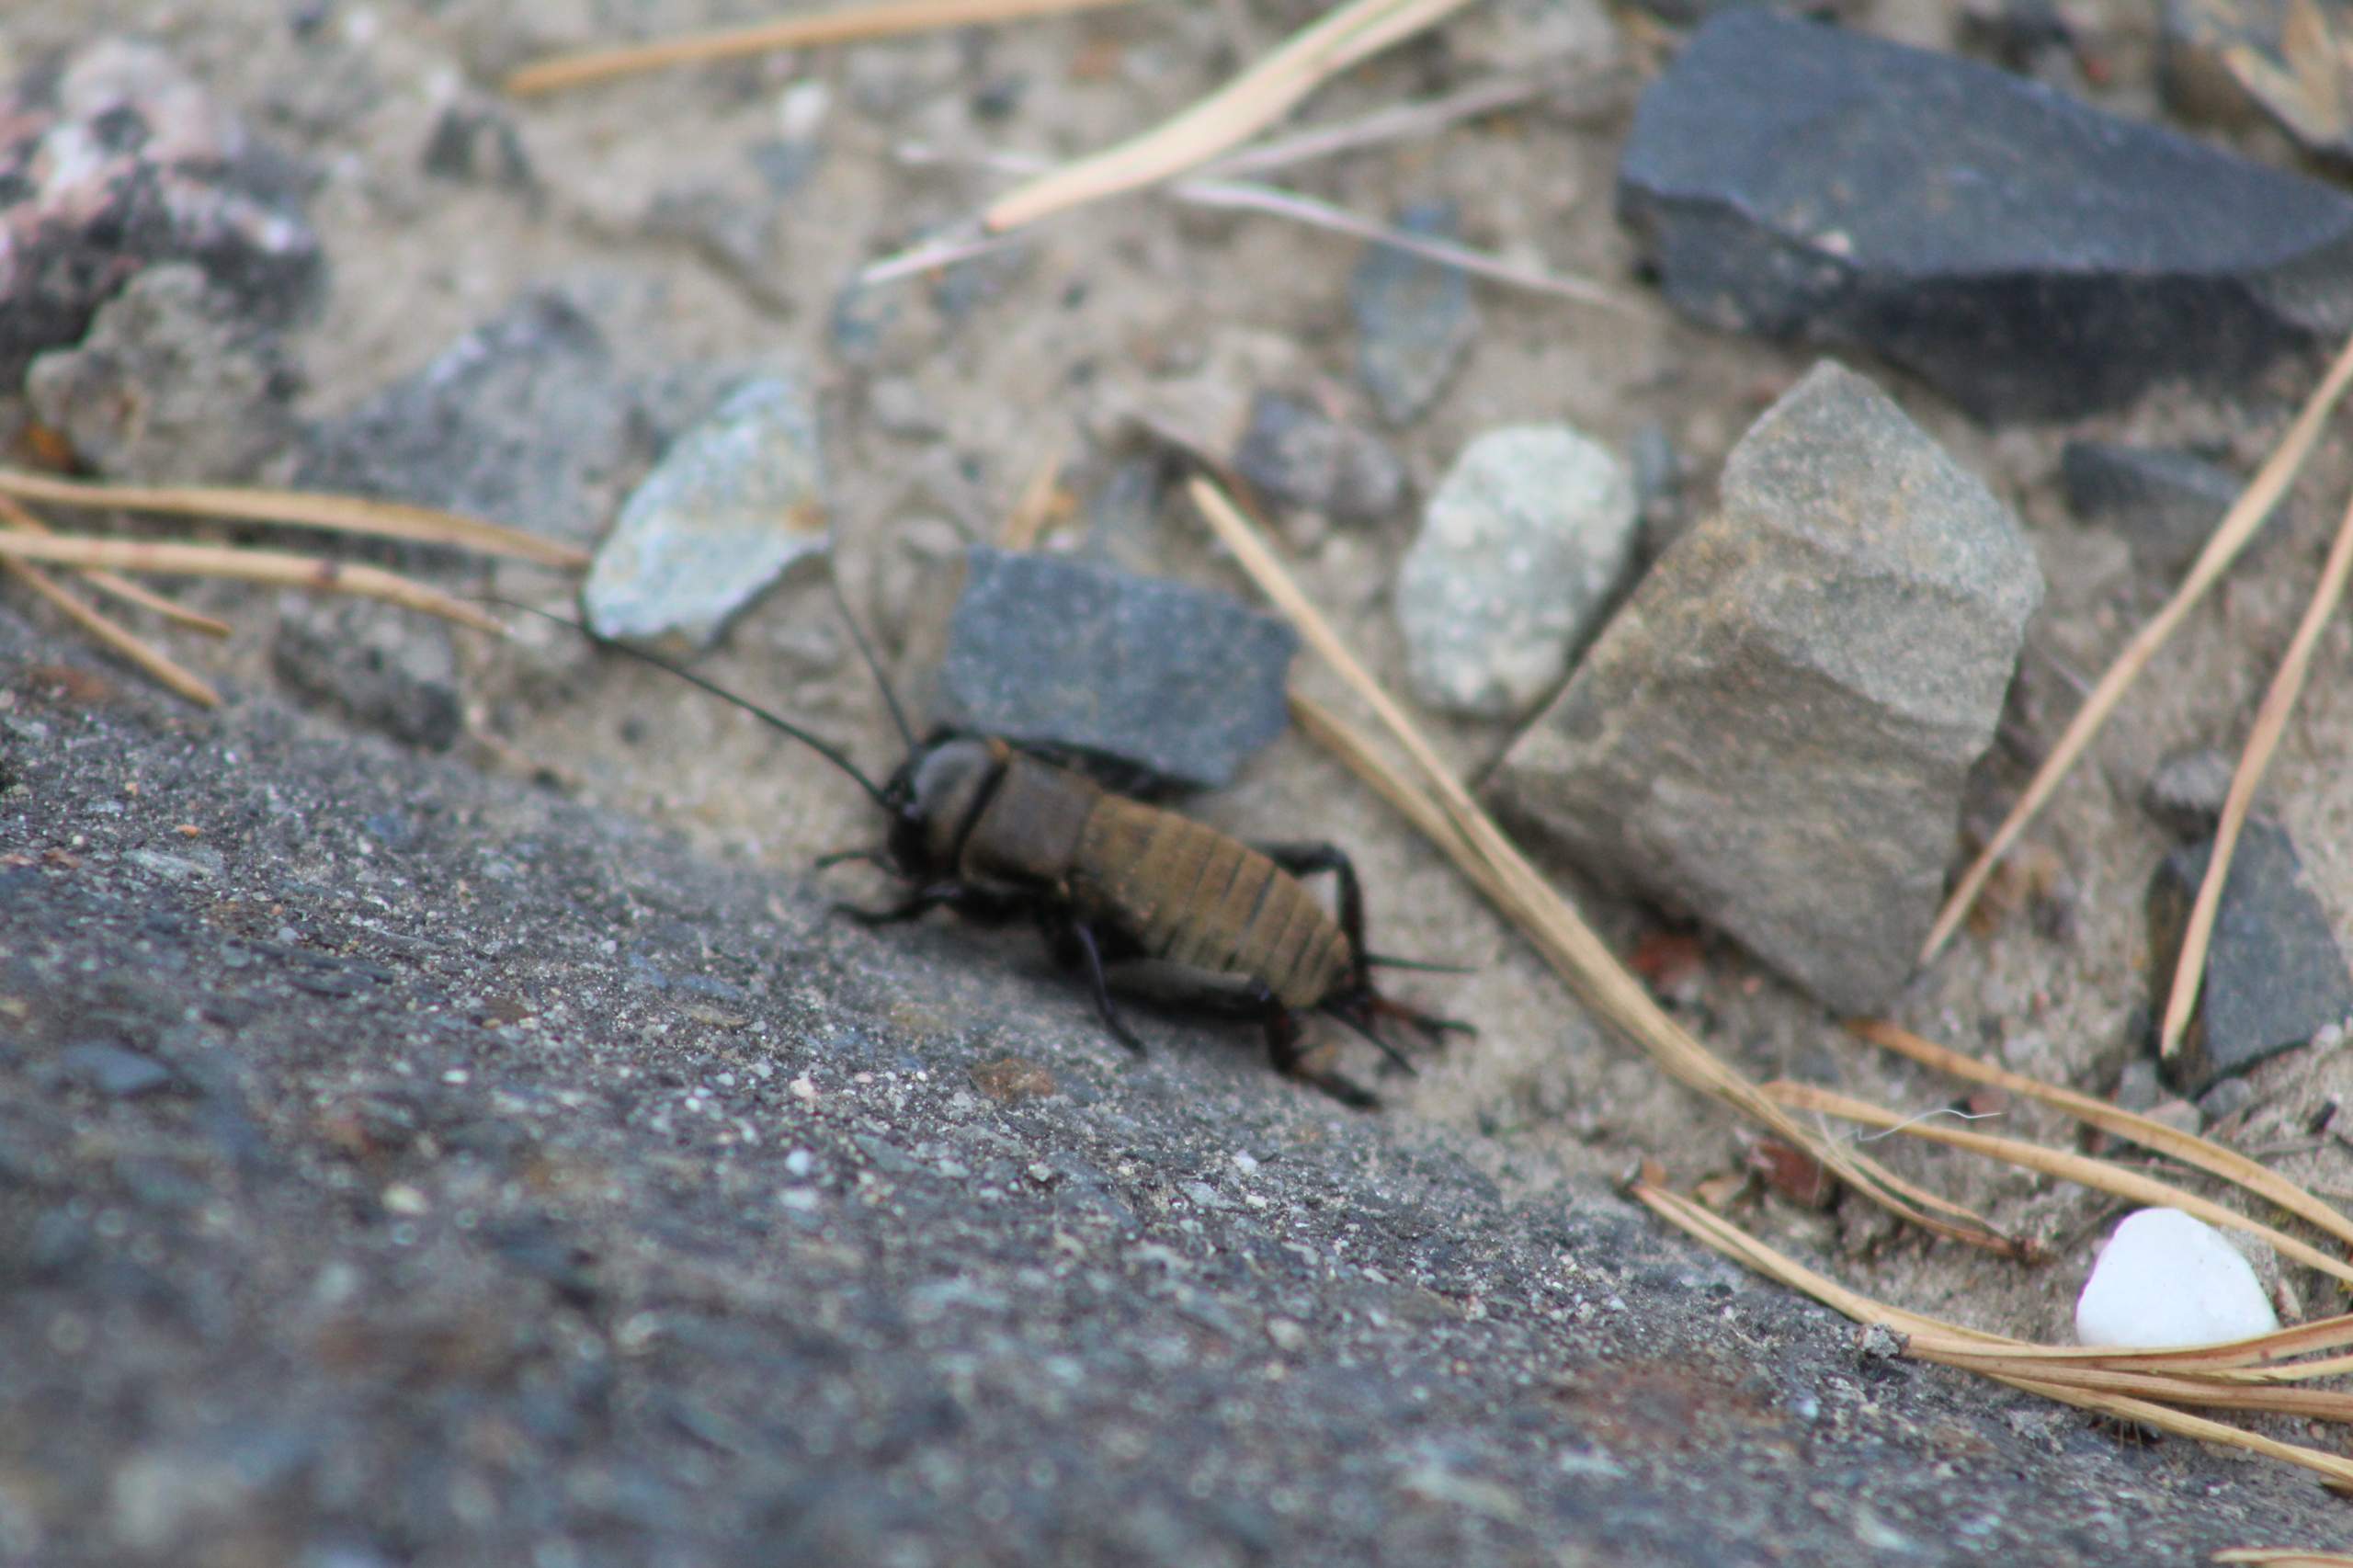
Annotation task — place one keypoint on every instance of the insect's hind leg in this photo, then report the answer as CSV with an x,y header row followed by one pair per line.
x,y
1283,1047
1306,860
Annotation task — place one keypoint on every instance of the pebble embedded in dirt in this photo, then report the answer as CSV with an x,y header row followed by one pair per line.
x,y
1416,319
1295,454
2167,1279
729,509
2165,503
2275,976
1791,700
529,419
384,667
1798,180
1521,547
173,384
1184,683
120,158
2187,792
474,140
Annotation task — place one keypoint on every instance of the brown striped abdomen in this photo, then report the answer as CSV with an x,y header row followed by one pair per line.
x,y
1192,895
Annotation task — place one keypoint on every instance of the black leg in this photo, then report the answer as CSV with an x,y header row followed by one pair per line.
x,y
1305,861
1083,936
1282,1048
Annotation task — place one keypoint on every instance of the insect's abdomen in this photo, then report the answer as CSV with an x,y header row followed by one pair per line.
x,y
1193,895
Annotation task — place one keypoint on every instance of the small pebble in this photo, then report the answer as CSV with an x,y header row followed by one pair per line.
x,y
2186,792
1297,456
1522,545
1415,321
733,503
114,1071
2166,1278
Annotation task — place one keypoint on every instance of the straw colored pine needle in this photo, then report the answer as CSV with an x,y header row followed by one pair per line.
x,y
2263,739
2170,1142
892,19
1445,812
2231,536
1225,118
2283,1557
14,513
2098,1174
156,662
171,559
2004,1360
341,514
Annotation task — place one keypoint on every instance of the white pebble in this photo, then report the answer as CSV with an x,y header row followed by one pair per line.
x,y
2166,1278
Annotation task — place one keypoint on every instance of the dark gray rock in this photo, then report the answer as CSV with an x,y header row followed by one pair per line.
x,y
1415,320
1296,455
1521,546
2031,257
2275,976
641,1333
529,419
2165,503
475,141
1181,683
173,383
389,669
730,507
117,159
1791,698
2187,792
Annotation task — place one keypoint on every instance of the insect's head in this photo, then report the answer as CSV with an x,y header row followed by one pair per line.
x,y
934,796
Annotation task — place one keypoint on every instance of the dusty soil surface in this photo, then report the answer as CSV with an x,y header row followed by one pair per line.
x,y
1101,309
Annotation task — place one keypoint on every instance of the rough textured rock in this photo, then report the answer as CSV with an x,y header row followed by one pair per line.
x,y
117,159
1521,546
1416,319
1298,456
2165,502
1772,734
173,383
731,506
2275,976
1181,683
2030,255
533,1192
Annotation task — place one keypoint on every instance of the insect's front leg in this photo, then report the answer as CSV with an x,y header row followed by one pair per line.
x,y
1076,946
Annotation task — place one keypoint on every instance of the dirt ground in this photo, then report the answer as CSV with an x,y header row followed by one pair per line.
x,y
1139,293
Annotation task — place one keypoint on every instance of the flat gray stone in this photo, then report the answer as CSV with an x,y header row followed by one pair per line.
x,y
2275,976
1184,683
2165,502
1416,319
1521,546
2032,256
733,504
1772,734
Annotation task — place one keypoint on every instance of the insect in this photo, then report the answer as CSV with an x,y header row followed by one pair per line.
x,y
998,833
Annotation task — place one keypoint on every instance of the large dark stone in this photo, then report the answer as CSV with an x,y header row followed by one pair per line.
x,y
2033,257
1180,683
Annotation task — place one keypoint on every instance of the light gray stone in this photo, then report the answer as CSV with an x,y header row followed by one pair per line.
x,y
1524,542
732,505
1773,733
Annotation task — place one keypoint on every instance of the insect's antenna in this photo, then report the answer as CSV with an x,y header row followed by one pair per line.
x,y
866,652
830,753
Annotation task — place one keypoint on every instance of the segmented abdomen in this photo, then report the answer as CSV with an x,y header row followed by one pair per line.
x,y
1193,895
